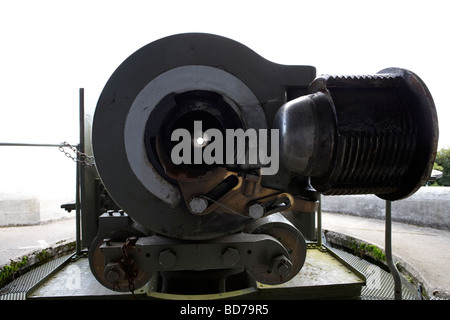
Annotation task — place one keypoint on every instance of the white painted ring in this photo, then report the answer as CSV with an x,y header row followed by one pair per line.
x,y
179,80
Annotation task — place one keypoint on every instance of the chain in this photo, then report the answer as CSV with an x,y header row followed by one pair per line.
x,y
128,265
80,157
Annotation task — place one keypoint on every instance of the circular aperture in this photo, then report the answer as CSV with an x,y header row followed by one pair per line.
x,y
194,113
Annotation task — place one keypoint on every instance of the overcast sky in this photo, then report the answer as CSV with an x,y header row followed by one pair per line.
x,y
49,49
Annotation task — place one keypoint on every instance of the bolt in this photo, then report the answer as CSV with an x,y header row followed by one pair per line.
x,y
113,273
107,241
256,210
198,205
167,259
231,256
282,266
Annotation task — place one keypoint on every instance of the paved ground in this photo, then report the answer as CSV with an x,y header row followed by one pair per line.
x,y
16,242
425,251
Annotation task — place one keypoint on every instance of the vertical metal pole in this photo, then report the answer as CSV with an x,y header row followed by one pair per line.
x,y
388,244
79,175
319,222
77,212
81,145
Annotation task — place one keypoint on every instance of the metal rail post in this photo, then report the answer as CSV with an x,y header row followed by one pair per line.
x,y
319,222
79,175
388,244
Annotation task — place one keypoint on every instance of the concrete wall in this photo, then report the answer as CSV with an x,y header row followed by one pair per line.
x,y
428,207
28,209
19,209
34,182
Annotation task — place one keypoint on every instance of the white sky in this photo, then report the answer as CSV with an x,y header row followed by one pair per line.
x,y
49,49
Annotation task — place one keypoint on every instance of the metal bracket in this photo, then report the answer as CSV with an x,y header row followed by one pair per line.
x,y
238,251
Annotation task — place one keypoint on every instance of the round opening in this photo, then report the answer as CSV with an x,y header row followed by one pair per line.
x,y
194,113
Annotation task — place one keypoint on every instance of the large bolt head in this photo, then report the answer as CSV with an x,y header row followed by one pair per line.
x,y
167,259
282,266
113,273
198,205
256,210
231,257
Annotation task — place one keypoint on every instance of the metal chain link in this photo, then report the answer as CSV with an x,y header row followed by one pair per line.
x,y
83,158
128,264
